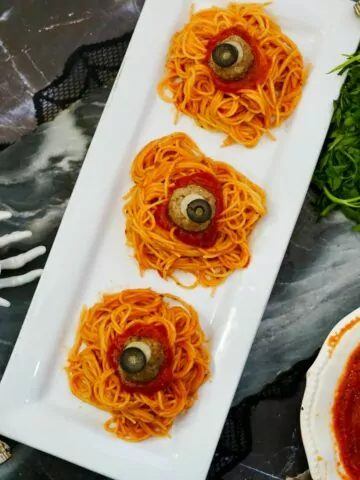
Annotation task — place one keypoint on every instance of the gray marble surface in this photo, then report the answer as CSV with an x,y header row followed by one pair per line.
x,y
317,283
37,37
316,286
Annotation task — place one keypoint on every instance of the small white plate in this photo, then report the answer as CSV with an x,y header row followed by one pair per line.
x,y
321,384
90,256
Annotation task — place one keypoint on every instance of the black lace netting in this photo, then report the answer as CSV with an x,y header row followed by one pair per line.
x,y
87,69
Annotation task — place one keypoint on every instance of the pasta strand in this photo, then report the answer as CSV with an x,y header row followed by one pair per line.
x,y
249,114
135,416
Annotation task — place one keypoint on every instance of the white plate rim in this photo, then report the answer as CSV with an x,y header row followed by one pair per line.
x,y
318,459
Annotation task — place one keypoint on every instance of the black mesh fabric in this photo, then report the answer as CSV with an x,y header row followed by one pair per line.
x,y
236,438
88,68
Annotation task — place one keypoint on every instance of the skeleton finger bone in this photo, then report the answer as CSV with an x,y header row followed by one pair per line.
x,y
5,215
18,261
4,303
19,280
13,237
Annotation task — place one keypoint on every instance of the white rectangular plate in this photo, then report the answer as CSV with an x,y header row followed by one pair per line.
x,y
89,255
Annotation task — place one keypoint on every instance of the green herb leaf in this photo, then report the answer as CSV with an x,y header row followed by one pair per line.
x,y
337,175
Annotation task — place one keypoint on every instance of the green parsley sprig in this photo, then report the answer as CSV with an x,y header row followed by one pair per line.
x,y
337,175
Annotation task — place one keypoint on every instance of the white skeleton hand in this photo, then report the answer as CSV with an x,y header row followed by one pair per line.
x,y
19,261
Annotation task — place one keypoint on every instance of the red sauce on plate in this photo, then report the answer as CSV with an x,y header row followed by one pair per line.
x,y
153,332
257,73
346,416
334,340
206,238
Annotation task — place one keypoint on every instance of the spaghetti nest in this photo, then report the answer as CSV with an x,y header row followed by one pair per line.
x,y
154,170
246,115
135,416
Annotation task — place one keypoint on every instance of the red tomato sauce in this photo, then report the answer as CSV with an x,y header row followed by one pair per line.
x,y
334,340
206,238
153,332
346,416
257,73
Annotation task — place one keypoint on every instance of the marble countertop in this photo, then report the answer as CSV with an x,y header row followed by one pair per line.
x,y
314,289
50,32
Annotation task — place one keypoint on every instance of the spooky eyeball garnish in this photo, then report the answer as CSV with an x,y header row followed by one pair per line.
x,y
141,356
190,213
193,208
17,262
236,61
232,58
233,70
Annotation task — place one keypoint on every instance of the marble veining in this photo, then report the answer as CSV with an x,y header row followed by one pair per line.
x,y
316,286
37,173
28,60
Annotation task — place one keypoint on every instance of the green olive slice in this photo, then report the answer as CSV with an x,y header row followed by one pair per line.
x,y
132,360
225,54
199,211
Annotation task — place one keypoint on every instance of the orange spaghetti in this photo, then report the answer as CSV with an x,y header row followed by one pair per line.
x,y
245,115
135,416
155,170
